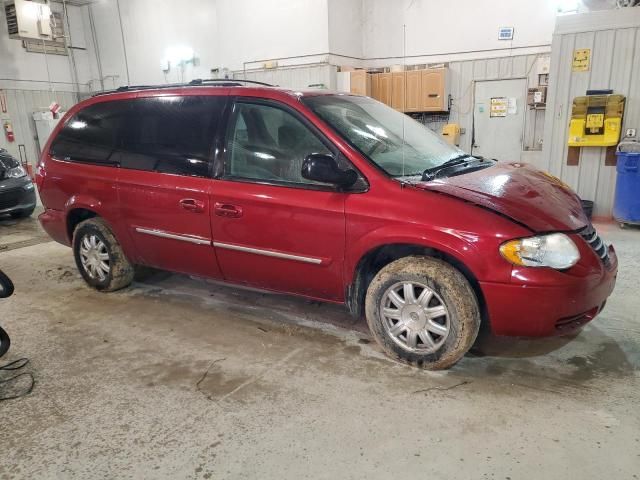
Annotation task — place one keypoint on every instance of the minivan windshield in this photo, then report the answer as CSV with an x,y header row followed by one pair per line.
x,y
398,144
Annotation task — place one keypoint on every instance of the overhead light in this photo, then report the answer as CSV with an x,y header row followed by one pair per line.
x,y
177,56
567,6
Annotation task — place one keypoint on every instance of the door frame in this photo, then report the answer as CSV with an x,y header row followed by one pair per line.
x,y
473,111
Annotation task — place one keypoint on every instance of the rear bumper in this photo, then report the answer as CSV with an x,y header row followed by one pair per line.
x,y
54,223
548,310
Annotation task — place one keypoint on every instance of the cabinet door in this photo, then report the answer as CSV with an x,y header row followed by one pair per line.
x,y
375,86
433,96
398,90
360,83
413,96
384,88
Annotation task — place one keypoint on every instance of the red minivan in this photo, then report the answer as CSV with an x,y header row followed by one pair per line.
x,y
327,195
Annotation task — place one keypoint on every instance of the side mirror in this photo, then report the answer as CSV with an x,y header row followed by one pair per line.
x,y
320,167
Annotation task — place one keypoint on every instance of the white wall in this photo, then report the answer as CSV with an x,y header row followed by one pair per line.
x,y
254,30
222,33
450,30
346,27
614,40
239,34
20,69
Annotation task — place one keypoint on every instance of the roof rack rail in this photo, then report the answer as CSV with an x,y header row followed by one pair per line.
x,y
200,81
220,82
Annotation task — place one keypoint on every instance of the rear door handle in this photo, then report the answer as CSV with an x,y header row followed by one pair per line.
x,y
192,205
227,210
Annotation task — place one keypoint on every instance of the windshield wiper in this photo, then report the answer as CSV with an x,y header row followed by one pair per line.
x,y
431,173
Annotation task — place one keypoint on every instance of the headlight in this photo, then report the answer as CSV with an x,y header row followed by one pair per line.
x,y
16,172
555,250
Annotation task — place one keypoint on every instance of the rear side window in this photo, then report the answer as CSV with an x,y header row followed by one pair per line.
x,y
171,134
92,134
168,134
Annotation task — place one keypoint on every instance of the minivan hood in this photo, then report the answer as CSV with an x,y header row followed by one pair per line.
x,y
519,191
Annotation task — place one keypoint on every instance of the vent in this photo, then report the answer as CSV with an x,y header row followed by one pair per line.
x,y
595,242
12,18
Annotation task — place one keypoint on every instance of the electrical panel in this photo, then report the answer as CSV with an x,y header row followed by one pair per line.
x,y
596,120
537,96
28,19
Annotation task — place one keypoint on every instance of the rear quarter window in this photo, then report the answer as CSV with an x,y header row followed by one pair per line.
x,y
92,134
167,134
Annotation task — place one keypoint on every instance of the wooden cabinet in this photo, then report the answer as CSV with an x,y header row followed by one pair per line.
x,y
413,98
398,90
384,88
360,83
375,86
411,91
434,97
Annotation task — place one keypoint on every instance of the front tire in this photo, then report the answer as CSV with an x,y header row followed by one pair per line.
x,y
100,258
422,311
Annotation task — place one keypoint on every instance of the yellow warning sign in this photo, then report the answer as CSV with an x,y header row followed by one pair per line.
x,y
581,60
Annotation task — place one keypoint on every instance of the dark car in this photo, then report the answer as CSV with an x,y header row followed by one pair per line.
x,y
330,196
17,193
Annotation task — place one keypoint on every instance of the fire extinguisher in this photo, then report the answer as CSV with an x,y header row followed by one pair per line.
x,y
8,132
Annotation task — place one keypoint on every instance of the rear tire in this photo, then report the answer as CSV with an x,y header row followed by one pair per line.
x,y
422,311
100,258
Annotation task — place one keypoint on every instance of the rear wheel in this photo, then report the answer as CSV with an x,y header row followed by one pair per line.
x,y
422,311
99,257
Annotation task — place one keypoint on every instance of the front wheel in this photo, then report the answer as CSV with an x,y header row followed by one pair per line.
x,y
99,257
422,311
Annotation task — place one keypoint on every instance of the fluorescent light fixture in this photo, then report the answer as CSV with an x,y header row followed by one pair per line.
x,y
567,6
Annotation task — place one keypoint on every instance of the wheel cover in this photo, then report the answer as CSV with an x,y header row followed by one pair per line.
x,y
415,317
94,257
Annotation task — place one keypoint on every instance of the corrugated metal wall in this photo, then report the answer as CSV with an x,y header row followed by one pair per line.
x,y
297,77
463,76
21,104
614,41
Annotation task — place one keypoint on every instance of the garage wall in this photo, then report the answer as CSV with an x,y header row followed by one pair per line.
x,y
614,39
223,34
24,70
464,74
20,105
299,77
455,29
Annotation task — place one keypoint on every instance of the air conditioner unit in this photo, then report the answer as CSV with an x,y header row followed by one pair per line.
x,y
28,19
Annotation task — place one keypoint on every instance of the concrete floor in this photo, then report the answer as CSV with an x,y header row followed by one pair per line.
x,y
181,378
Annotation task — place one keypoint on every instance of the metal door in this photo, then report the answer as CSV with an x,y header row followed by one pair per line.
x,y
498,118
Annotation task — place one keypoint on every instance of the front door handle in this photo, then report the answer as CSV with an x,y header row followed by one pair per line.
x,y
192,205
227,210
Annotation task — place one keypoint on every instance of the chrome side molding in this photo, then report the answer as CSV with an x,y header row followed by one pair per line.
x,y
173,236
268,253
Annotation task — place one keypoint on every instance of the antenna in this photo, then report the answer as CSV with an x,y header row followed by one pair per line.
x,y
404,100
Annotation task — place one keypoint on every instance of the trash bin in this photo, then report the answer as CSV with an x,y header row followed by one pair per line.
x,y
626,204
